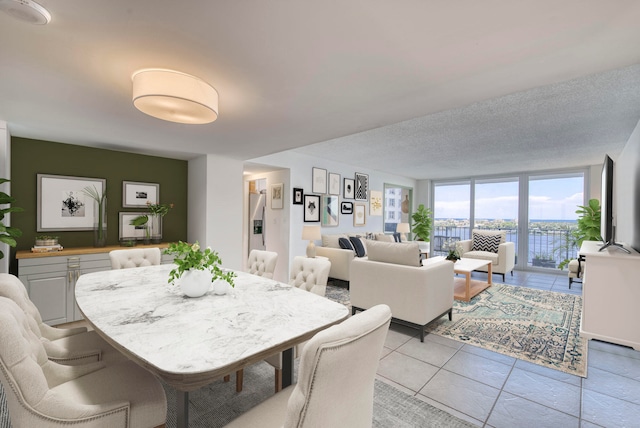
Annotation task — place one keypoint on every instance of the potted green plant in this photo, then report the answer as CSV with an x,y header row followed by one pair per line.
x,y
422,223
8,234
453,250
543,260
587,229
151,221
198,269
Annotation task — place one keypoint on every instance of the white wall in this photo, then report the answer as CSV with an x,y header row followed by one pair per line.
x,y
215,206
627,191
276,221
5,172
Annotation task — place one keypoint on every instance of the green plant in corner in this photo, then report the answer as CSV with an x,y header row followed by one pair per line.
x,y
8,234
422,223
588,227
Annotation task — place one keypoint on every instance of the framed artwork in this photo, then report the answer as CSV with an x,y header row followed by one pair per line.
x,y
361,186
129,231
277,196
138,195
311,208
63,206
346,208
330,209
348,188
319,180
297,196
359,215
375,204
334,184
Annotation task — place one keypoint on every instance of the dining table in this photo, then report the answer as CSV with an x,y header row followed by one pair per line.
x,y
191,342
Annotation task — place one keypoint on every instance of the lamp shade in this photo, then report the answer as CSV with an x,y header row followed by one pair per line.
x,y
174,96
403,228
311,233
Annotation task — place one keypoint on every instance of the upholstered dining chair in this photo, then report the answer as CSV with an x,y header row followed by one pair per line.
x,y
70,346
135,257
42,393
335,378
262,263
309,274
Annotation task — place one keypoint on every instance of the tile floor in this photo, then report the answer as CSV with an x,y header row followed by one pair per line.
x,y
494,390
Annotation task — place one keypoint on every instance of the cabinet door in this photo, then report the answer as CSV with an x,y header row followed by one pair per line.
x,y
49,293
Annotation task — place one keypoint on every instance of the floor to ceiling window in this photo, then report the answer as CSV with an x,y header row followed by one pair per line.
x,y
451,213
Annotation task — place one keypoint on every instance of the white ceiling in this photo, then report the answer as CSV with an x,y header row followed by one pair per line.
x,y
425,89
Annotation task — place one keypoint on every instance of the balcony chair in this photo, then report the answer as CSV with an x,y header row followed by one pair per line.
x,y
309,274
576,269
335,378
136,257
42,393
262,263
490,245
65,346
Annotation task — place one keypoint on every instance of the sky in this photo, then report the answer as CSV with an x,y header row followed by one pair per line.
x,y
549,199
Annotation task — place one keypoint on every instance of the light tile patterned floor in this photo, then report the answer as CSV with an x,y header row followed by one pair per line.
x,y
494,390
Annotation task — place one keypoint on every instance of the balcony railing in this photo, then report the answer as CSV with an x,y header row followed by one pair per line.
x,y
547,247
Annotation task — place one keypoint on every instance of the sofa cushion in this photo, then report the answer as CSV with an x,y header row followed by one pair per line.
x,y
345,243
384,237
358,246
488,240
483,255
332,241
392,252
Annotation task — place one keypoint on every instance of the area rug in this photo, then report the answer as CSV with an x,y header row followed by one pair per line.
x,y
542,327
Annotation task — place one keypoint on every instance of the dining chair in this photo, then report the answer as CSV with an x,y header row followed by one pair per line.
x,y
336,378
42,393
135,257
262,263
69,346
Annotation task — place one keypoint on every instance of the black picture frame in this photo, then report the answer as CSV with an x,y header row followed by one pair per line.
x,y
346,208
361,186
348,187
297,197
311,208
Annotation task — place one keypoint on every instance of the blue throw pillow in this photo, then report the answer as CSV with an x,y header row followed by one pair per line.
x,y
396,236
345,244
358,246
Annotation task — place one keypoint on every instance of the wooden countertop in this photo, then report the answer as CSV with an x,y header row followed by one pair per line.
x,y
74,251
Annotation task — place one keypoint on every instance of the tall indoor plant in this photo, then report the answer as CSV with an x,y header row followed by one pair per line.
x,y
422,223
8,234
588,227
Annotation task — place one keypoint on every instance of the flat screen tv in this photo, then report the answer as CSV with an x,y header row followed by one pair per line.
x,y
607,228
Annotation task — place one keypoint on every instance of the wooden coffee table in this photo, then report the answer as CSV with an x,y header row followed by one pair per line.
x,y
465,288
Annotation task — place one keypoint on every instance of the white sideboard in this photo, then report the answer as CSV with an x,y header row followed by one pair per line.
x,y
50,278
611,295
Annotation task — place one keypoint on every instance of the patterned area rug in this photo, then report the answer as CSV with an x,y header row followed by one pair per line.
x,y
542,327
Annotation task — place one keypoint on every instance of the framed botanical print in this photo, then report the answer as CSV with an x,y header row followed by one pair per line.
x,y
277,196
311,208
297,196
129,231
63,205
334,184
375,202
348,188
361,186
319,180
359,215
139,195
330,211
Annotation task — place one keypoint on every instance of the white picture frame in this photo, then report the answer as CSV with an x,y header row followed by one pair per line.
x,y
139,195
61,204
127,230
359,215
318,180
334,184
277,196
330,210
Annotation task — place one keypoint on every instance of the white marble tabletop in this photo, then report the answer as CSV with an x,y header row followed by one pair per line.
x,y
191,342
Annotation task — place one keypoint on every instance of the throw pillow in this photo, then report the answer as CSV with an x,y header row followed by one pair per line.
x,y
345,244
483,242
396,237
358,246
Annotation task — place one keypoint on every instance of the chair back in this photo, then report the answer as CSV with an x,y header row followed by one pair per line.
x,y
310,274
12,288
136,257
337,373
262,263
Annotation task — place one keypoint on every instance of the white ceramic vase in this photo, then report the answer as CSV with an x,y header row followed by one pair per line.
x,y
220,287
195,283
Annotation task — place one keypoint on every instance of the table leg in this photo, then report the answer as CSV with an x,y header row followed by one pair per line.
x,y
287,367
490,279
467,286
183,408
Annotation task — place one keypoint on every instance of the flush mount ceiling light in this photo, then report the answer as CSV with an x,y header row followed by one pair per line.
x,y
174,96
26,10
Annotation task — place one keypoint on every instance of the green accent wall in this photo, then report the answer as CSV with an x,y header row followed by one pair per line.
x,y
32,157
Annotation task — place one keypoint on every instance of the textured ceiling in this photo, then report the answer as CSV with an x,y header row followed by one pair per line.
x,y
465,80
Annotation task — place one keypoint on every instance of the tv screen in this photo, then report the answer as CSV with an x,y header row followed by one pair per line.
x,y
606,215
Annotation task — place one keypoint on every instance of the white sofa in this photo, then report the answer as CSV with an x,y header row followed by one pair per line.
x,y
393,275
502,261
340,258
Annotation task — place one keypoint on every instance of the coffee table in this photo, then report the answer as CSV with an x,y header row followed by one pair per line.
x,y
465,288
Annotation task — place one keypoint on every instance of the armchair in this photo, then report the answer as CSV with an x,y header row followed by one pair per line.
x,y
490,245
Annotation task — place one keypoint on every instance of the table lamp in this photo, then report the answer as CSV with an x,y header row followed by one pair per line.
x,y
311,233
403,229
